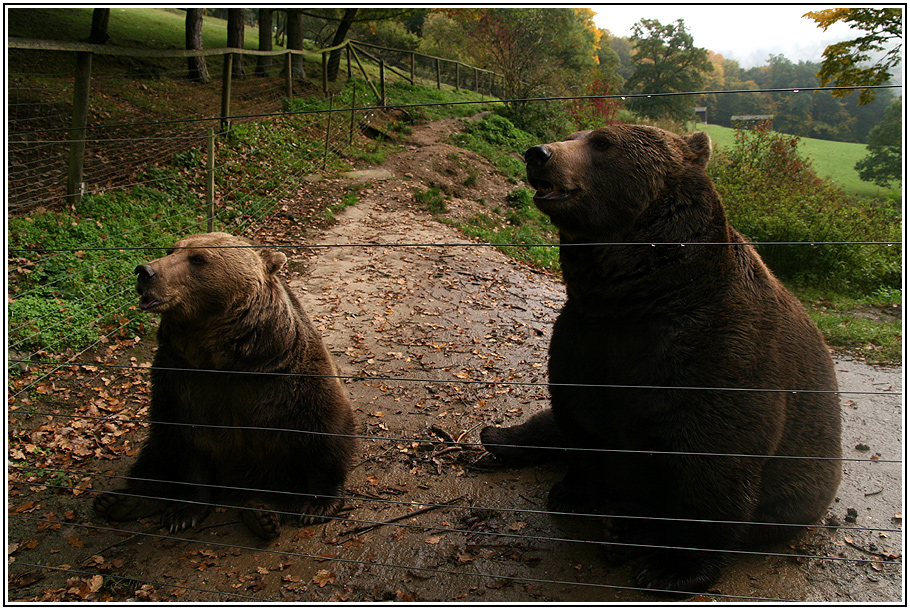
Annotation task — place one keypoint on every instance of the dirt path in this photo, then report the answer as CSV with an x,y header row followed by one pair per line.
x,y
415,327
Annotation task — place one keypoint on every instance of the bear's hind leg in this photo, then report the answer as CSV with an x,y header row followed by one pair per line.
x,y
535,441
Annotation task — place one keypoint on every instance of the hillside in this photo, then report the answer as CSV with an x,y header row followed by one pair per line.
x,y
832,160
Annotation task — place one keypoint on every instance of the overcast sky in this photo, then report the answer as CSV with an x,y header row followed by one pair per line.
x,y
746,33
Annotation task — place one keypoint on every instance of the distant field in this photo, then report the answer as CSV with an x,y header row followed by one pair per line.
x,y
832,160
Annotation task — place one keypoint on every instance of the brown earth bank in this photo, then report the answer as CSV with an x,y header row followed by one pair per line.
x,y
435,342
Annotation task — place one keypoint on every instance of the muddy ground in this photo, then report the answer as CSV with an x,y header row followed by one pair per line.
x,y
414,328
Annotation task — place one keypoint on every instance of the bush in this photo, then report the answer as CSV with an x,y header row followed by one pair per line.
x,y
491,136
772,194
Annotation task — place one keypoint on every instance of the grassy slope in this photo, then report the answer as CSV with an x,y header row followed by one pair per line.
x,y
832,160
129,27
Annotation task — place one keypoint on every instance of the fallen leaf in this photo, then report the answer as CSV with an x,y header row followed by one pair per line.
x,y
433,539
324,577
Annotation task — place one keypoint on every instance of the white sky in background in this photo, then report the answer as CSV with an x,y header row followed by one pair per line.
x,y
744,32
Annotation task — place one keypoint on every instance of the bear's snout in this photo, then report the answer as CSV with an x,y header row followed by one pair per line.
x,y
537,156
145,274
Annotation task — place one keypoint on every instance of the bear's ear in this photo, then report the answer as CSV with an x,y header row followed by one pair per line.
x,y
700,145
273,260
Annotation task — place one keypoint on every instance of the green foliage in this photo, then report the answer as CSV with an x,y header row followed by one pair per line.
x,y
833,161
432,200
666,60
847,63
70,298
772,194
497,139
522,228
885,162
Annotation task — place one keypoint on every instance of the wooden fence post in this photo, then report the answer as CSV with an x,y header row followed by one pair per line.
x,y
353,104
382,83
412,68
325,74
226,92
328,129
210,181
350,72
438,75
290,77
75,187
457,75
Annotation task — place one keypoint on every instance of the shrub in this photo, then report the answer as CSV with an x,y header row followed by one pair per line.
x,y
497,139
772,194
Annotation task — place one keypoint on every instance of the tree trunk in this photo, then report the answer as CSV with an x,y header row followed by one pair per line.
x,y
335,56
197,70
100,19
264,62
235,40
295,41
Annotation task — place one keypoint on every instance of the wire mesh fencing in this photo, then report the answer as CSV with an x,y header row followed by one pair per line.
x,y
437,337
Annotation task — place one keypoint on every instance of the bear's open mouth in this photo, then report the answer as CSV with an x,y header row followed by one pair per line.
x,y
147,302
550,192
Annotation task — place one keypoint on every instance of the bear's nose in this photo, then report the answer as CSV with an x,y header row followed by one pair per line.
x,y
145,273
537,155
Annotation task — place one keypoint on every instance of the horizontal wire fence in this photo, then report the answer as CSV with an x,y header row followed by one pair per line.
x,y
139,151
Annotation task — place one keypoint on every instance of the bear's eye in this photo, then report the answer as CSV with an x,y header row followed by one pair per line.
x,y
601,144
197,259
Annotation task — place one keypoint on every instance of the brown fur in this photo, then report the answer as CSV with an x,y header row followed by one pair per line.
x,y
224,308
673,316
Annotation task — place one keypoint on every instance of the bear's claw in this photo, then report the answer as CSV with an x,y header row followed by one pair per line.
x,y
181,516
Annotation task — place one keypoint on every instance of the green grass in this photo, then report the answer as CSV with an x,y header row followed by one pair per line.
x,y
148,28
834,161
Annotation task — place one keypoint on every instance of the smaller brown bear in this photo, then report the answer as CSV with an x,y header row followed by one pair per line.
x,y
675,363
246,404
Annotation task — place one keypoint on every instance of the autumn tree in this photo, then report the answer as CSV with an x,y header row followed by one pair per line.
x,y
885,160
845,62
666,60
196,68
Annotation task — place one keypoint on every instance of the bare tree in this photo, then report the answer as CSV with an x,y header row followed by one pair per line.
x,y
235,40
196,67
347,20
100,19
264,62
295,41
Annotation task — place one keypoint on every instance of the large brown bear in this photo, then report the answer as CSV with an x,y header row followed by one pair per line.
x,y
246,405
660,359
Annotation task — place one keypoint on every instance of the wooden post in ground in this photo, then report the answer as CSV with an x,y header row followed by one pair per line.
x,y
290,77
210,181
226,92
75,186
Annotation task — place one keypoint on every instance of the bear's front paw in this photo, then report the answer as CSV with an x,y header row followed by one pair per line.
x,y
318,510
183,515
118,507
263,522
